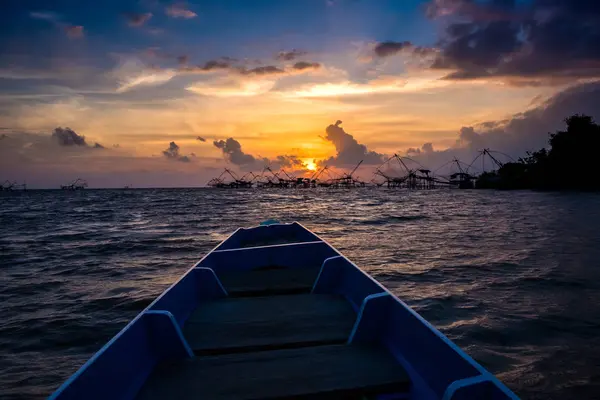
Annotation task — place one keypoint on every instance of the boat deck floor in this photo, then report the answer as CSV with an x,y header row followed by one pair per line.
x,y
266,282
262,323
337,371
272,339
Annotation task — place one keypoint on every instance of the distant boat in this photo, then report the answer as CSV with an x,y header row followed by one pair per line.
x,y
276,312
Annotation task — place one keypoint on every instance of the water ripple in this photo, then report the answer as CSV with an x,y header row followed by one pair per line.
x,y
512,277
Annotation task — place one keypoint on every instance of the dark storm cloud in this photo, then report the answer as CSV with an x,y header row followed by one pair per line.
x,y
172,153
137,19
232,151
348,150
290,55
302,65
544,41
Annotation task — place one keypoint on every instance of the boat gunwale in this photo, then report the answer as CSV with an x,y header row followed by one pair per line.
x,y
484,374
101,351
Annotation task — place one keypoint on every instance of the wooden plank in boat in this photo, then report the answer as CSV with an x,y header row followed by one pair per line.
x,y
265,282
348,371
260,323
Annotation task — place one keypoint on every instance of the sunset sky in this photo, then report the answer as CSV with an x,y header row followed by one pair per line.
x,y
159,93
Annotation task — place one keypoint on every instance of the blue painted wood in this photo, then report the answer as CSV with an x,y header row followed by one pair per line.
x,y
122,366
268,235
340,276
163,329
322,372
297,255
273,322
269,282
199,284
436,366
371,318
479,387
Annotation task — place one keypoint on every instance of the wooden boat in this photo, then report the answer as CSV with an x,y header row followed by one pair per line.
x,y
276,312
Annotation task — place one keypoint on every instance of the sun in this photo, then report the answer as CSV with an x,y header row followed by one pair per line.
x,y
309,164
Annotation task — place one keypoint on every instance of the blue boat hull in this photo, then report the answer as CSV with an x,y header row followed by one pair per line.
x,y
436,367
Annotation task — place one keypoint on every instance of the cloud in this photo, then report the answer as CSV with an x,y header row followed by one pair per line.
x,y
287,161
44,15
264,70
74,31
348,150
132,73
425,149
494,10
200,138
538,43
212,65
179,10
302,65
68,137
172,153
290,55
522,132
227,86
137,19
232,151
390,48
385,49
182,60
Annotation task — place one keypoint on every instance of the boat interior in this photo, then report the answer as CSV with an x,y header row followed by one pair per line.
x,y
275,312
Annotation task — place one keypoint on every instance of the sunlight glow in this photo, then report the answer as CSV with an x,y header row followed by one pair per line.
x,y
309,164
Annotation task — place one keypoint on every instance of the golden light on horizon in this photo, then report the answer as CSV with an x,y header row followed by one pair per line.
x,y
309,164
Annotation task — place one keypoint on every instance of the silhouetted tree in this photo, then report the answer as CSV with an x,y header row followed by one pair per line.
x,y
571,163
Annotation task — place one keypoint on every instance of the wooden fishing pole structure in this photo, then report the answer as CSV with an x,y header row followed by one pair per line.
x,y
410,178
488,179
77,184
8,186
347,180
462,179
395,172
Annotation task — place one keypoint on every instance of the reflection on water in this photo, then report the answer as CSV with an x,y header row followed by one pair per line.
x,y
512,277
